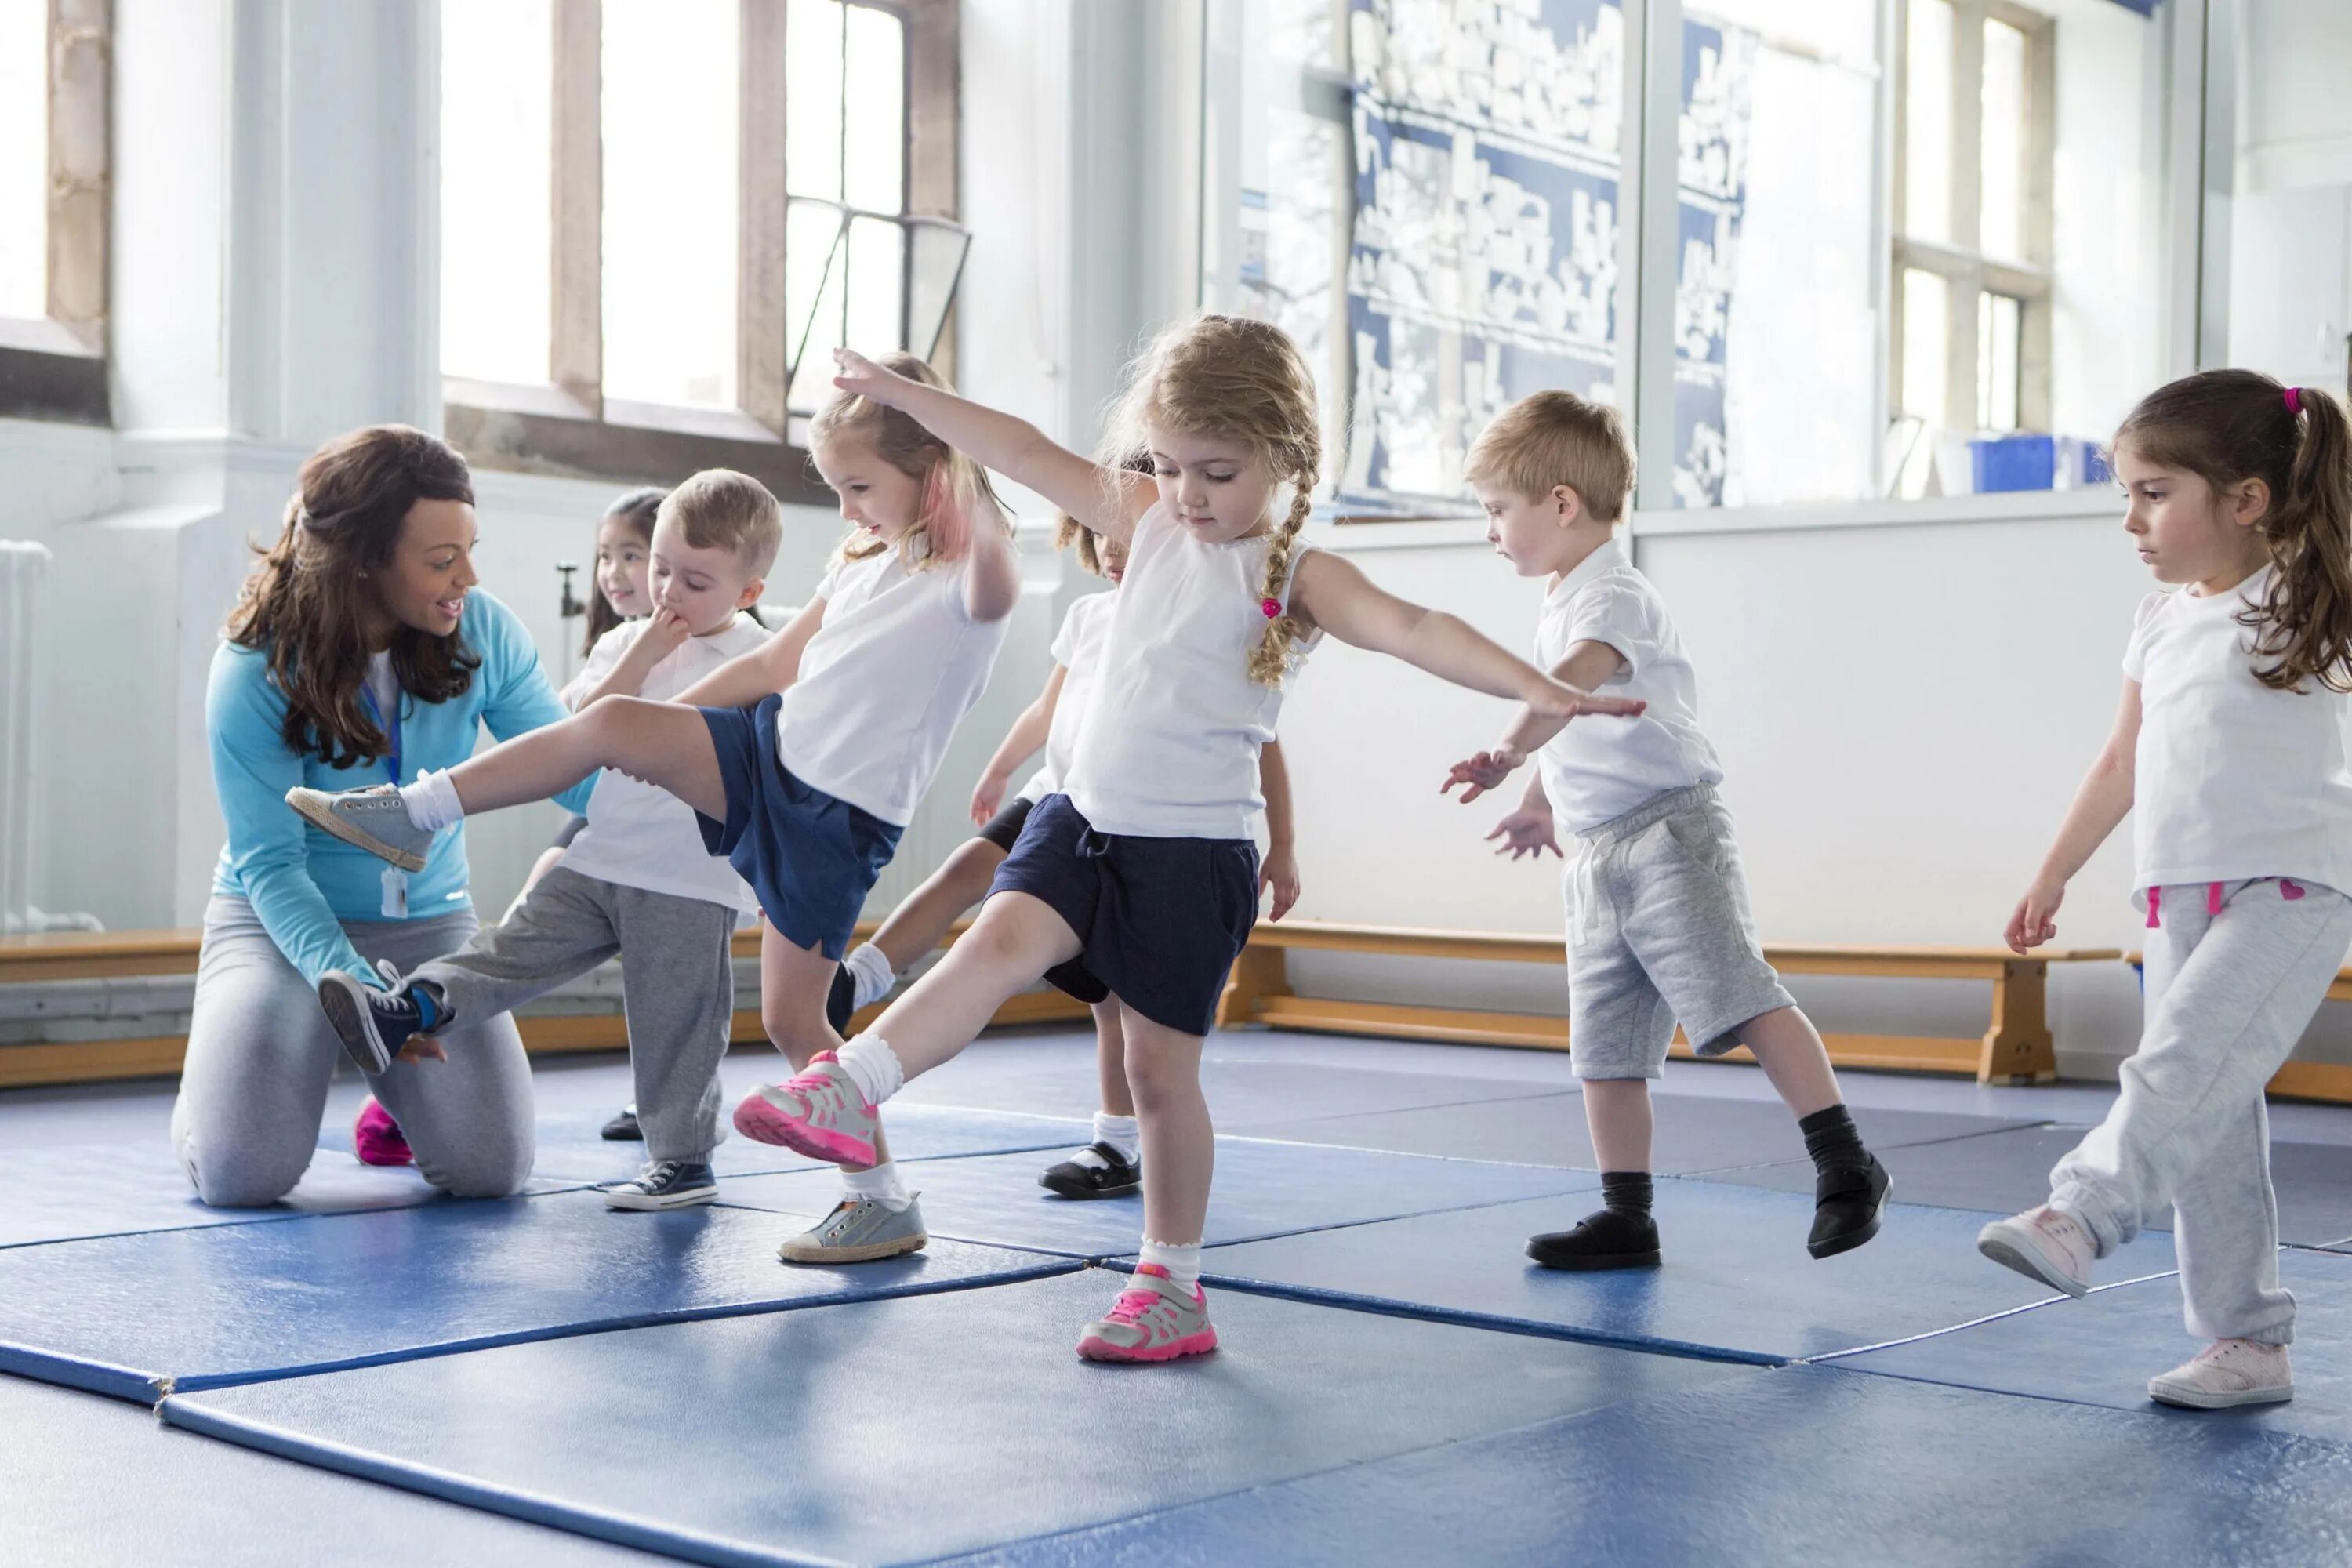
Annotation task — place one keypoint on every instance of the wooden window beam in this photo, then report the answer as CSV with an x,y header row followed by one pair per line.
x,y
576,330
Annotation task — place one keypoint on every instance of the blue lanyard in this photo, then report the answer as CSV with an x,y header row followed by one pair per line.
x,y
391,729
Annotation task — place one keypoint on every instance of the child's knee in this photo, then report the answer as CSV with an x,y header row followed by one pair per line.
x,y
247,1179
795,1031
1161,1078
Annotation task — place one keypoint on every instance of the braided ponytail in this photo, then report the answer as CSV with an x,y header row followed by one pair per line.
x,y
1270,659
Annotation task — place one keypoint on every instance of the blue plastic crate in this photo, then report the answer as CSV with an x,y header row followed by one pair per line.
x,y
2014,463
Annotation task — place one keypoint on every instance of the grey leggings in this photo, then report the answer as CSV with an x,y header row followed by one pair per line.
x,y
261,1055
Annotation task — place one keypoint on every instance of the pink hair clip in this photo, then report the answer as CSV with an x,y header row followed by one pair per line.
x,y
1272,608
2294,400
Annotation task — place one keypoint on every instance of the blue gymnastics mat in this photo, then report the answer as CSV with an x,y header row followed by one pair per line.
x,y
1694,1132
2103,1350
137,1316
898,1431
107,1189
93,1483
1737,1283
1262,1189
1797,1465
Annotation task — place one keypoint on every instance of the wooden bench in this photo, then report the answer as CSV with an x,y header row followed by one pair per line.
x,y
2015,1048
110,955
2330,1082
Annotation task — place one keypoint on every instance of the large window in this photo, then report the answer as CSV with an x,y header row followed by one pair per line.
x,y
55,61
660,216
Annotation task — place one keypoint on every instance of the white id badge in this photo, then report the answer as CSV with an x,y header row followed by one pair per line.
x,y
395,893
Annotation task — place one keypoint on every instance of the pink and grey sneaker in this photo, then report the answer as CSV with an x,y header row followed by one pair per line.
x,y
2046,1244
1153,1319
377,1139
2225,1374
820,1113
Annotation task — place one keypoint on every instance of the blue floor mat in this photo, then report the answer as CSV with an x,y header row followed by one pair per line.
x,y
1262,1189
1737,1282
94,1483
900,1431
1694,1132
1797,1465
106,1189
2005,1173
135,1316
2103,1350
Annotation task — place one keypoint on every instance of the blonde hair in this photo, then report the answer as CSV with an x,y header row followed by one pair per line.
x,y
956,490
1236,380
1552,438
720,508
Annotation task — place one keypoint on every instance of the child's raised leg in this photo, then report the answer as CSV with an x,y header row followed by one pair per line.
x,y
1112,1165
1850,1185
1621,1234
1164,1314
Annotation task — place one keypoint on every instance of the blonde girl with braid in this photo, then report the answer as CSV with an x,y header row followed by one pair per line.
x,y
1140,869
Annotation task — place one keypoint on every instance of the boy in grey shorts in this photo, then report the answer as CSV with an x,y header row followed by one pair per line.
x,y
1659,929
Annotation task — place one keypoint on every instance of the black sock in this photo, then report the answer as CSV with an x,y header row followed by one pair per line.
x,y
1832,1140
432,1003
1626,1192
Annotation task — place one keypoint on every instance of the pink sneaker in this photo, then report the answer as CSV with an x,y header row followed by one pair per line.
x,y
1151,1321
819,1113
376,1137
2225,1374
2046,1244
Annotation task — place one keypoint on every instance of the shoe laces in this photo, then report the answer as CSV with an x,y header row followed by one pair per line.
x,y
2230,1353
658,1172
1132,1304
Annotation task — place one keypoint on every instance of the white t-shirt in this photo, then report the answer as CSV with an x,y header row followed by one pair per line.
x,y
2231,779
883,682
640,835
1597,769
1168,747
1077,648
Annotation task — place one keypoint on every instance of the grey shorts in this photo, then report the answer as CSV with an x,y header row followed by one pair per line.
x,y
1659,930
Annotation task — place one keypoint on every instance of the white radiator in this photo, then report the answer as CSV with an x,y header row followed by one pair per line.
x,y
21,564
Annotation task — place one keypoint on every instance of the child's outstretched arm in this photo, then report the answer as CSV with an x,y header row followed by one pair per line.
x,y
1530,830
2104,800
1587,666
1107,500
750,678
1019,743
1280,870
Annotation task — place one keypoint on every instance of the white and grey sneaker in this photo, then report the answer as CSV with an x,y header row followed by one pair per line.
x,y
664,1185
372,819
2226,1375
859,1230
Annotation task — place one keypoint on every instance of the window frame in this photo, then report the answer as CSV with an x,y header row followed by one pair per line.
x,y
53,367
567,426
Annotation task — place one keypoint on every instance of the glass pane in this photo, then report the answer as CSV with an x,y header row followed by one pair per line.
x,y
1999,335
931,276
812,380
2003,224
1845,30
671,76
1927,121
811,229
1926,356
497,139
875,139
23,157
1309,32
813,60
877,265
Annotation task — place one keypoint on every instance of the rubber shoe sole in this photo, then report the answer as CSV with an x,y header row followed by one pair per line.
x,y
2185,1398
1077,1187
763,1121
868,1252
1201,1343
347,1010
1999,1242
643,1202
316,811
1591,1262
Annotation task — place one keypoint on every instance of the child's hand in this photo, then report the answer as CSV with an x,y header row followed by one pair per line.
x,y
666,631
987,798
1280,870
421,1048
1525,832
1482,773
1559,700
2033,923
853,373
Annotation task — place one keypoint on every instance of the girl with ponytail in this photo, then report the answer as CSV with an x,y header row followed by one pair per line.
x,y
1139,871
2229,750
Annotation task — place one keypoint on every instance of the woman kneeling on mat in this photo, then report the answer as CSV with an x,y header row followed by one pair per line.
x,y
360,649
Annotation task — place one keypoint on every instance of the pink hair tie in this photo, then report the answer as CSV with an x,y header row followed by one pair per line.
x,y
1273,607
2294,400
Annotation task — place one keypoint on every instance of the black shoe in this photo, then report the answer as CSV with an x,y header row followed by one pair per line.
x,y
373,1025
1847,1203
623,1129
840,1001
1099,1170
1607,1238
664,1185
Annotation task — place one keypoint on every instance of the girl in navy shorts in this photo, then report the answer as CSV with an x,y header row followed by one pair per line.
x,y
807,789
1140,867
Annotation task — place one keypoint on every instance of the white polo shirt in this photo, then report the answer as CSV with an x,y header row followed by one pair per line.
x,y
1077,648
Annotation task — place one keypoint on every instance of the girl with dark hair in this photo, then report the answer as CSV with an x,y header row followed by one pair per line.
x,y
359,648
2229,752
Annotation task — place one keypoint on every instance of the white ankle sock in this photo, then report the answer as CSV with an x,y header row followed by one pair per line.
x,y
1182,1260
870,973
881,1184
873,1067
1120,1133
432,800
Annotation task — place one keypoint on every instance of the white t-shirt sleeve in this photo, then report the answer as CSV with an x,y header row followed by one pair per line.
x,y
1616,617
2136,650
601,659
1066,639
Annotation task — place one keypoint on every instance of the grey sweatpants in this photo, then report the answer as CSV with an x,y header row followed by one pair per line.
x,y
677,988
261,1055
2228,994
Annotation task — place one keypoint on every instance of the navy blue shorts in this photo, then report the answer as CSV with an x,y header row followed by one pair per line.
x,y
1159,920
810,857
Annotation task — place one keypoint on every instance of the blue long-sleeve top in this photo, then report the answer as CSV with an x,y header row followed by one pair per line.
x,y
303,882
